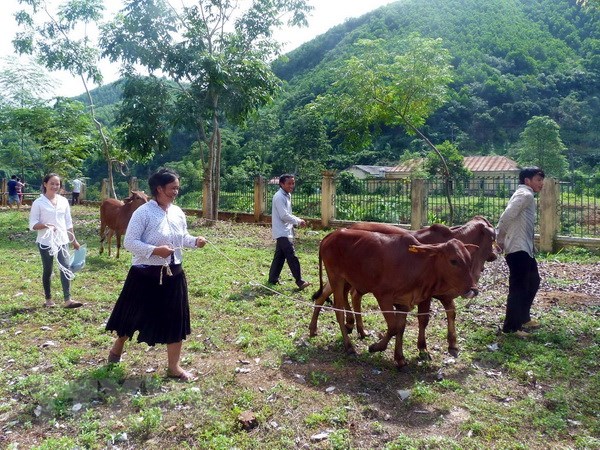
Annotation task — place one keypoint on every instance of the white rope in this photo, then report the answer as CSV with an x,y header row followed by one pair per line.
x,y
322,307
55,248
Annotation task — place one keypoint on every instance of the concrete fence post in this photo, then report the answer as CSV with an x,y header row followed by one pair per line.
x,y
418,197
259,197
549,215
4,191
327,198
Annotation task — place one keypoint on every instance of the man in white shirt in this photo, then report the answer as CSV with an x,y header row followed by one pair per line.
x,y
515,237
283,222
76,191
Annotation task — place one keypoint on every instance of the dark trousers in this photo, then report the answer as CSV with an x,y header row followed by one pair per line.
x,y
75,198
523,284
47,263
284,251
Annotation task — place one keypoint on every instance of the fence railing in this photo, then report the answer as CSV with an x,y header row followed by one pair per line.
x,y
392,201
372,201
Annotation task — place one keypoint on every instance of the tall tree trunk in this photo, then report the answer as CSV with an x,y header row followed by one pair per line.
x,y
212,174
105,144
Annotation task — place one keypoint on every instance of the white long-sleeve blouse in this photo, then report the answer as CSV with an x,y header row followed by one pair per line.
x,y
150,227
43,211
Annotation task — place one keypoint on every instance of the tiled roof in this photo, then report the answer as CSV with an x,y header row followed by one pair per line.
x,y
490,164
476,164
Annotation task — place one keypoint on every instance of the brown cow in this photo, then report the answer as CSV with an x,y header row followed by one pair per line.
x,y
399,271
115,216
478,231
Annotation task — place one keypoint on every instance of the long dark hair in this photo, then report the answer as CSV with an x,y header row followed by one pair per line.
x,y
161,177
47,177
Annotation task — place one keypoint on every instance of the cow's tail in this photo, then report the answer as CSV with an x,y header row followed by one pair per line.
x,y
317,294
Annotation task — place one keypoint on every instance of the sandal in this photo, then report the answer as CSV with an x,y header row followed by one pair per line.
x,y
113,358
72,304
49,304
184,377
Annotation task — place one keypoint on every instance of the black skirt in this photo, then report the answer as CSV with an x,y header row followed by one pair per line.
x,y
160,313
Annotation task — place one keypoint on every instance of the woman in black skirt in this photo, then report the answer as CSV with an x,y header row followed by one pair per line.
x,y
154,298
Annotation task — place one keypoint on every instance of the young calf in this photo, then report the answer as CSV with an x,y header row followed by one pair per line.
x,y
115,216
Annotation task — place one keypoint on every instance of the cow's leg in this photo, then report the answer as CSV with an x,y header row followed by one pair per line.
x,y
349,312
400,326
356,306
450,308
102,236
339,291
312,328
392,330
109,240
423,317
118,244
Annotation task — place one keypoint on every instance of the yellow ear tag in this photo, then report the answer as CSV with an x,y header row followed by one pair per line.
x,y
413,249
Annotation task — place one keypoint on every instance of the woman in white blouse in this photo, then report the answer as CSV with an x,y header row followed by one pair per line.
x,y
50,216
154,298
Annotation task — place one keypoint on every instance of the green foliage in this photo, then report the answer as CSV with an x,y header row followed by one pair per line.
x,y
143,126
399,82
452,167
348,183
220,67
42,139
541,146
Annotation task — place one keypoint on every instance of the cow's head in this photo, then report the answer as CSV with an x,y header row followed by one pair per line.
x,y
137,198
451,267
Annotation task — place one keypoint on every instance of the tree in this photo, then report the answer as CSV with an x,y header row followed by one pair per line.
x,y
454,161
217,55
540,145
23,83
304,144
59,138
52,40
393,83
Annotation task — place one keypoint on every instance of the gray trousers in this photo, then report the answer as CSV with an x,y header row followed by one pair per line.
x,y
47,264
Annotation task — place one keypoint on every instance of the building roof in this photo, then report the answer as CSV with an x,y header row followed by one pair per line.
x,y
476,164
372,170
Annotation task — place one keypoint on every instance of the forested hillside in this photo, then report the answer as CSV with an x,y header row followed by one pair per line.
x,y
513,63
513,59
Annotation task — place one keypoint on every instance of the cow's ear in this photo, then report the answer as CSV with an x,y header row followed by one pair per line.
x,y
472,248
424,249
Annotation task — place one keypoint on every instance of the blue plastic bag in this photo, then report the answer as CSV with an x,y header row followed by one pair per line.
x,y
78,259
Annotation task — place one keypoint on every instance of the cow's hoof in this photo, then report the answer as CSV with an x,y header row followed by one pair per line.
x,y
351,351
376,348
401,364
453,352
424,355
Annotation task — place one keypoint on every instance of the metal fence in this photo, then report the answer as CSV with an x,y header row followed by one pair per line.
x,y
476,196
373,200
307,198
379,200
579,206
240,199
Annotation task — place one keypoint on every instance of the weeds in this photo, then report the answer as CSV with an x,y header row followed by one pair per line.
x,y
501,392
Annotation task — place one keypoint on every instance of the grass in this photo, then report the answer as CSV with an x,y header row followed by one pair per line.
x,y
251,349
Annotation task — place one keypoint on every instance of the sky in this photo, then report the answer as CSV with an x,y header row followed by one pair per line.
x,y
327,14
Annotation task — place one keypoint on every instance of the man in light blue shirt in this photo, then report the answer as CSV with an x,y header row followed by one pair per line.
x,y
283,222
515,237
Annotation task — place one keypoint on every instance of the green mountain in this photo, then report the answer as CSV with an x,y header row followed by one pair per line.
x,y
513,59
